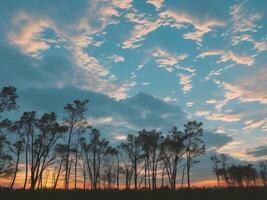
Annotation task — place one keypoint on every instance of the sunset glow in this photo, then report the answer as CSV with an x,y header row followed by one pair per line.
x,y
164,92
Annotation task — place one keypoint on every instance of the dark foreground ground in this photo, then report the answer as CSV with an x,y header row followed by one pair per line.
x,y
193,194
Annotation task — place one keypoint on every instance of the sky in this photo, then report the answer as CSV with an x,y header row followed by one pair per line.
x,y
145,64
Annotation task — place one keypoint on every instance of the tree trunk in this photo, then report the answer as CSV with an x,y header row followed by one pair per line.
x,y
67,161
15,172
26,164
188,172
75,171
117,176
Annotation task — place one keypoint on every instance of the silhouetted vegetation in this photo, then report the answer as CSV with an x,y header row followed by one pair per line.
x,y
69,153
258,193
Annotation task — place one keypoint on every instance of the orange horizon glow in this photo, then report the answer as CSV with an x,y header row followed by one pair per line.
x,y
19,184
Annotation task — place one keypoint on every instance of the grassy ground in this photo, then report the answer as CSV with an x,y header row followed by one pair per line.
x,y
193,194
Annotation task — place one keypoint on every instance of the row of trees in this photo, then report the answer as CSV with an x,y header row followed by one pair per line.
x,y
238,175
69,150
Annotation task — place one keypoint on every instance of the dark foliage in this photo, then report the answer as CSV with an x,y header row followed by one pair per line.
x,y
258,193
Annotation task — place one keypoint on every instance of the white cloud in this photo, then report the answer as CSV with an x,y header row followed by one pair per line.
x,y
29,37
116,58
145,83
258,45
247,89
228,117
139,67
211,101
219,71
167,60
145,25
189,104
123,4
210,53
201,27
243,19
156,3
100,120
143,28
219,129
228,56
238,59
253,124
170,99
120,137
202,113
185,82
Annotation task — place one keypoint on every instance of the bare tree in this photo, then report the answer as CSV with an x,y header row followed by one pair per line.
x,y
18,147
43,140
75,121
8,98
172,152
151,143
133,148
215,167
109,166
60,159
94,152
263,172
193,144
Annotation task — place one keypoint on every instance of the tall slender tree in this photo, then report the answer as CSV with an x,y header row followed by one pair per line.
x,y
8,102
172,152
193,144
263,172
215,167
18,147
75,121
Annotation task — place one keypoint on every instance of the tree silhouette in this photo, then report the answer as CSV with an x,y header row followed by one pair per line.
x,y
263,172
151,143
94,152
215,167
8,98
125,152
18,147
43,144
193,144
60,155
109,168
172,152
75,121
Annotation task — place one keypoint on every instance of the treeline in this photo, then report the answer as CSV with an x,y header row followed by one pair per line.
x,y
70,153
238,175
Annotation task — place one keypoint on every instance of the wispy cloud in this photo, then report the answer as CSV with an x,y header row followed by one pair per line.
x,y
243,20
185,82
167,60
201,27
225,117
123,4
260,46
28,37
116,58
228,56
253,124
189,104
168,18
143,27
30,40
156,3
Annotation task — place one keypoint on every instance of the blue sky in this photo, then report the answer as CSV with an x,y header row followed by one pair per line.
x,y
144,64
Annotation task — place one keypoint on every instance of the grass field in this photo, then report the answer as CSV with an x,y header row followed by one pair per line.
x,y
193,194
